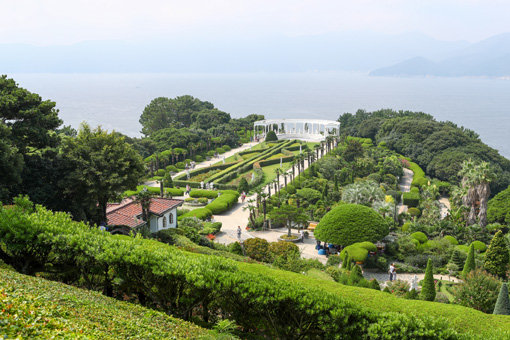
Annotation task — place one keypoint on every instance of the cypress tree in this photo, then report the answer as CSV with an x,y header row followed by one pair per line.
x,y
497,257
374,284
346,264
470,261
428,290
503,304
458,259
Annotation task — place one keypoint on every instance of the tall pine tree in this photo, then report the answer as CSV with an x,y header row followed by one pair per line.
x,y
458,259
428,290
497,256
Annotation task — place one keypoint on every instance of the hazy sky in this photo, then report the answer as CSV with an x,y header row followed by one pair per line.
x,y
47,22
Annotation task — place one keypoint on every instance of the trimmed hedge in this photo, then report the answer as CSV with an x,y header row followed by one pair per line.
x,y
411,199
154,190
200,213
203,193
479,246
273,303
204,170
224,202
419,178
350,223
34,308
453,241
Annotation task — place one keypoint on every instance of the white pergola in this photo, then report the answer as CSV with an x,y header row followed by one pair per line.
x,y
312,129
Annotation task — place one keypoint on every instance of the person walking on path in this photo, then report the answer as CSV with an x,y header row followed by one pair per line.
x,y
188,189
392,271
243,197
239,232
302,232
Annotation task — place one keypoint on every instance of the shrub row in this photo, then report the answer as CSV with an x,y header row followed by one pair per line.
x,y
205,169
154,190
238,168
35,308
203,193
224,202
200,213
419,178
267,162
272,303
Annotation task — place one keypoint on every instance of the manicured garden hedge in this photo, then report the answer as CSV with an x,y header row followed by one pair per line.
x,y
419,236
272,303
200,213
203,193
224,202
350,223
36,308
419,178
154,190
411,199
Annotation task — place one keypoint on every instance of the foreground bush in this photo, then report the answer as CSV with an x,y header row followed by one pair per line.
x,y
479,291
272,303
350,223
200,213
198,193
36,308
224,202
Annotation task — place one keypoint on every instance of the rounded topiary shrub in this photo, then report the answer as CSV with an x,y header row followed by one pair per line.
x,y
415,212
271,136
180,165
257,249
172,168
199,158
479,246
282,248
350,223
453,241
421,237
406,226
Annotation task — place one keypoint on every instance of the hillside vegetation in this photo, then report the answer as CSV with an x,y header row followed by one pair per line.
x,y
265,301
32,307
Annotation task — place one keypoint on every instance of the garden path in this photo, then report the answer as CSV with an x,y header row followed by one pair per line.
x,y
445,206
383,277
239,215
405,186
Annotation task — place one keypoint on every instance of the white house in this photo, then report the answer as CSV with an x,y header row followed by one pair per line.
x,y
127,215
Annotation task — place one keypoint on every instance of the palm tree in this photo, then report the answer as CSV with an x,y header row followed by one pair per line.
x,y
285,174
278,171
475,182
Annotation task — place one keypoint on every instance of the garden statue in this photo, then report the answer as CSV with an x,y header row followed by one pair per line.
x,y
414,283
252,177
300,151
202,185
281,161
187,173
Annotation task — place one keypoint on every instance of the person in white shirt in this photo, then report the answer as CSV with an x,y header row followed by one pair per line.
x,y
392,272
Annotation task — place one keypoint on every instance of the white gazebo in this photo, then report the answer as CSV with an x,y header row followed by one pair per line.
x,y
307,129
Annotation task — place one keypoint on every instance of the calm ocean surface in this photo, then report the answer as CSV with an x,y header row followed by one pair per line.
x,y
116,101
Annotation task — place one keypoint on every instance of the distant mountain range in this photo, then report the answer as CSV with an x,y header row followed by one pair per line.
x,y
487,58
352,51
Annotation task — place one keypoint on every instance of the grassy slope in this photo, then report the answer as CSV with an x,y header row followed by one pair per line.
x,y
31,307
460,318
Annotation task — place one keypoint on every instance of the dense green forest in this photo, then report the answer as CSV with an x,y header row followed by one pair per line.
x,y
438,147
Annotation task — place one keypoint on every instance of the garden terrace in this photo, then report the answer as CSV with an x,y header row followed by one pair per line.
x,y
309,129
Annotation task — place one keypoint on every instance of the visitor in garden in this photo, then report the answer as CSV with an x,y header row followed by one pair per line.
x,y
239,232
302,232
392,271
243,197
188,189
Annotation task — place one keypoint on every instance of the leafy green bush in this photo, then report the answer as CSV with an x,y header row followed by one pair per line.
x,y
224,202
411,199
334,260
226,148
271,136
350,223
415,212
34,308
203,200
479,290
309,194
160,172
419,179
257,249
243,186
172,168
497,256
356,253
200,213
180,165
479,246
199,158
421,237
282,248
453,241
282,303
498,208
196,193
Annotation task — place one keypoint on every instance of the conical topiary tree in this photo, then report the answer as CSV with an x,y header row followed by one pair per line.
x,y
428,290
470,261
497,256
346,264
355,275
503,304
458,259
271,136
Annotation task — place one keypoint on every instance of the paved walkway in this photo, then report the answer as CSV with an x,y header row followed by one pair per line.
x,y
405,186
384,277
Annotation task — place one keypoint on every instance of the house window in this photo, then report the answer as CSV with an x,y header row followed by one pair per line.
x,y
171,218
164,221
